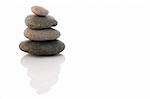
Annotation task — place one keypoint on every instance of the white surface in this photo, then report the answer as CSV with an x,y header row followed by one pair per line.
x,y
106,56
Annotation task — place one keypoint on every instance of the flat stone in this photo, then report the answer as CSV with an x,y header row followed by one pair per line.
x,y
39,11
36,22
41,35
45,48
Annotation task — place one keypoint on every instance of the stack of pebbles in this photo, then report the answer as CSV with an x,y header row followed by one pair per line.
x,y
42,37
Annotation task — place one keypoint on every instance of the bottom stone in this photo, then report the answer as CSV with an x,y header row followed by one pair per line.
x,y
44,48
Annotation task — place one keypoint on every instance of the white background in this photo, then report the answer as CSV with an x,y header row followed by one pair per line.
x,y
106,56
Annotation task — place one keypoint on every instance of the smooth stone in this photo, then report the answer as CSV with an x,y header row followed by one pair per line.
x,y
41,35
40,11
36,22
45,48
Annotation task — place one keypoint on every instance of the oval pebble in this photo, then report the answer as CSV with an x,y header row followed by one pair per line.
x,y
36,22
45,48
40,11
41,35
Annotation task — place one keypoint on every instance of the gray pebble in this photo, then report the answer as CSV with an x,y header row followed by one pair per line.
x,y
41,35
36,22
45,48
39,11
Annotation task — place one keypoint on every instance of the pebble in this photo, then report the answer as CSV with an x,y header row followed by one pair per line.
x,y
39,11
45,48
36,22
41,35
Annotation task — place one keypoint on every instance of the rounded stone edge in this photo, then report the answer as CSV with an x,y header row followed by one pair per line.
x,y
22,44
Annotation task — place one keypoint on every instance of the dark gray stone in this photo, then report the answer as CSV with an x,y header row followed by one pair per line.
x,y
41,35
39,11
36,22
44,48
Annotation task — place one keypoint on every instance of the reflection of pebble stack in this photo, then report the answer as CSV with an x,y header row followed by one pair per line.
x,y
43,72
42,38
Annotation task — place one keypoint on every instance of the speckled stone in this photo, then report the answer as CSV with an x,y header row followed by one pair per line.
x,y
45,48
39,11
36,22
41,35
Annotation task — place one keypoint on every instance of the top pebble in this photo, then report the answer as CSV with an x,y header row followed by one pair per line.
x,y
39,11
